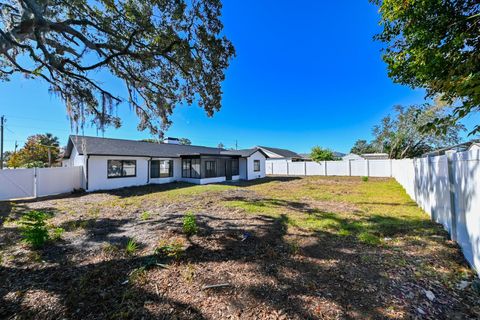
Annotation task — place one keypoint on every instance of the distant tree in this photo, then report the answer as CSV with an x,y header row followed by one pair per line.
x,y
220,146
185,141
362,147
15,161
151,140
40,150
401,135
166,53
435,44
320,154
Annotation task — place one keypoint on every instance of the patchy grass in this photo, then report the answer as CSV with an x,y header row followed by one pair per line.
x,y
293,248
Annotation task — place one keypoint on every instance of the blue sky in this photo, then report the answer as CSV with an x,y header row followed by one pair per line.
x,y
306,73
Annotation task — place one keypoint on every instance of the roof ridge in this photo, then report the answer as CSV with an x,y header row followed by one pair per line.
x,y
130,140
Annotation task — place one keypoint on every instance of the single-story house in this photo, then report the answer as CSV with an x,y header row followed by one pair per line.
x,y
365,156
117,163
375,156
352,157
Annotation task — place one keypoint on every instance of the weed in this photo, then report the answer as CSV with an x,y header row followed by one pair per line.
x,y
369,238
294,247
131,247
138,276
173,249
34,228
365,179
190,224
94,211
189,273
56,234
109,248
145,215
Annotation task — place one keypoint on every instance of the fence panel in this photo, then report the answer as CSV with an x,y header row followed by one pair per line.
x,y
52,181
467,204
39,182
379,168
359,168
440,191
315,168
16,183
296,168
337,168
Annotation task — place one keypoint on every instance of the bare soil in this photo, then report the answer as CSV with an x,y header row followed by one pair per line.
x,y
267,264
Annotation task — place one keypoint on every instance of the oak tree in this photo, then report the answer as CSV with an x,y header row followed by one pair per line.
x,y
165,52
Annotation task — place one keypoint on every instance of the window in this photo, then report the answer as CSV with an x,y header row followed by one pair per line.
x,y
210,169
161,169
235,170
256,165
191,168
121,168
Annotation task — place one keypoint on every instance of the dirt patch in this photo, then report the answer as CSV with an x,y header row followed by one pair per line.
x,y
264,266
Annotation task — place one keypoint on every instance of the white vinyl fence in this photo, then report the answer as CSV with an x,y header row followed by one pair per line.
x,y
369,168
39,182
447,187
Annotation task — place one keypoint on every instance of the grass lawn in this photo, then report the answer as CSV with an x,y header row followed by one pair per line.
x,y
280,248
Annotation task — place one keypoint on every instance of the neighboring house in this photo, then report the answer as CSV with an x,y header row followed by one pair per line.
x,y
375,156
117,163
351,156
469,145
275,154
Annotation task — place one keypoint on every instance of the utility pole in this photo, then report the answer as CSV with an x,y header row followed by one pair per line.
x,y
236,144
2,120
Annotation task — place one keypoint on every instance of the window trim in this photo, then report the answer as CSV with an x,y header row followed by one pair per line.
x,y
122,161
254,166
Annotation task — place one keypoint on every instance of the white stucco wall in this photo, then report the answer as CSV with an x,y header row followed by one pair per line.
x,y
97,173
255,174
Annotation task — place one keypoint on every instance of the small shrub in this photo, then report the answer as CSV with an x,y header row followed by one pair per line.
x,y
145,215
131,247
34,228
173,249
190,224
365,179
56,233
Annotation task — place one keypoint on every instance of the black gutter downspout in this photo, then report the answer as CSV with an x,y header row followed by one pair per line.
x,y
86,174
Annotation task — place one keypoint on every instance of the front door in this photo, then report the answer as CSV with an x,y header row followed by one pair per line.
x,y
228,169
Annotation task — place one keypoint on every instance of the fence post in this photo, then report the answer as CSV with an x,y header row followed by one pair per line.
x,y
368,168
451,184
350,167
325,162
288,170
35,183
391,169
305,167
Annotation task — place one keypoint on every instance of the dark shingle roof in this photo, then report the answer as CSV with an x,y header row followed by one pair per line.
x,y
244,152
107,146
281,152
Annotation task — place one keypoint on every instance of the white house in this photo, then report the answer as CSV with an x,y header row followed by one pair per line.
x,y
276,154
116,163
351,156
